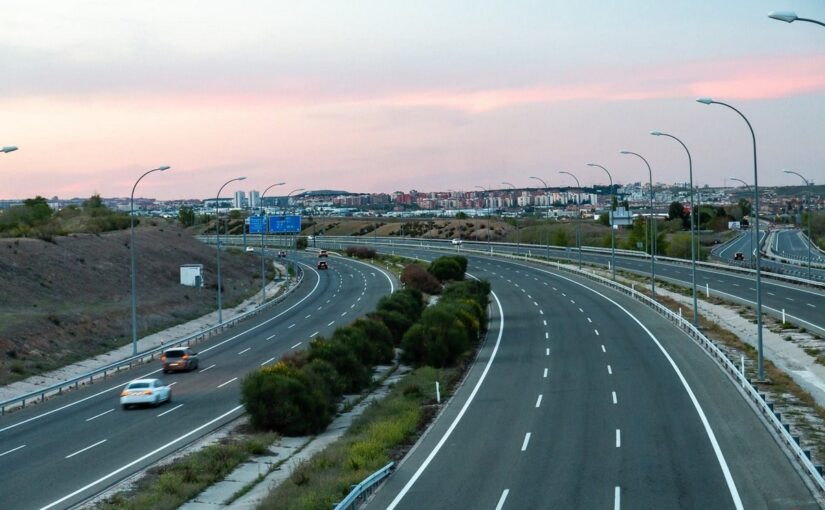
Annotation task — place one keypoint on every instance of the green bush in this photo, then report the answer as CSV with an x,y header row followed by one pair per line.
x,y
281,398
438,340
398,323
380,336
447,268
353,374
416,277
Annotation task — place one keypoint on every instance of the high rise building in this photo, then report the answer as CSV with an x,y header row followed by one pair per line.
x,y
254,199
240,200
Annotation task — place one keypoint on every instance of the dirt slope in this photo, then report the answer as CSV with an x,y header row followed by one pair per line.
x,y
66,300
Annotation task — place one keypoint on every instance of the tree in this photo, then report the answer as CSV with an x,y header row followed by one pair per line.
x,y
417,277
461,215
676,210
446,268
745,205
186,216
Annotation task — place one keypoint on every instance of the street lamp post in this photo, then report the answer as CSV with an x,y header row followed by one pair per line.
x,y
612,229
653,227
546,214
518,233
487,192
578,219
760,360
692,229
810,239
790,17
218,242
132,254
750,255
264,230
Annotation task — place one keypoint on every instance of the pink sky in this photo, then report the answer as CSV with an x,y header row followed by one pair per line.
x,y
394,104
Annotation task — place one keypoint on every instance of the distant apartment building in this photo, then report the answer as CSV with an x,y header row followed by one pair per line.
x,y
240,200
254,199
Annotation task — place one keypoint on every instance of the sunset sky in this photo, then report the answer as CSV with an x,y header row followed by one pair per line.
x,y
392,95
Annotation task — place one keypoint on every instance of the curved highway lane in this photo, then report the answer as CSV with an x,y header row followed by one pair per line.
x,y
64,451
586,399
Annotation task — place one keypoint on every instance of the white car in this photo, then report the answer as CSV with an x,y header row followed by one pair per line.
x,y
145,391
250,248
456,241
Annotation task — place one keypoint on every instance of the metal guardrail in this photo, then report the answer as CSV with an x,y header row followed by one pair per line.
x,y
728,366
138,359
362,490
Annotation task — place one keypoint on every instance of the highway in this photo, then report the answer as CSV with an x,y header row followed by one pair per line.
x,y
69,448
584,398
745,244
793,244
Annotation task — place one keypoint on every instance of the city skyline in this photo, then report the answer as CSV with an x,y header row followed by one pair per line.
x,y
391,96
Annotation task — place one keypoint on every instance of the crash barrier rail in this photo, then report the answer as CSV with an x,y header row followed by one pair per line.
x,y
360,492
534,249
749,391
138,359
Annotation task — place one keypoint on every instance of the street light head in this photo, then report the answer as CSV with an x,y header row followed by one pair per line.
x,y
164,168
624,152
656,133
8,148
786,16
240,178
787,171
704,100
280,184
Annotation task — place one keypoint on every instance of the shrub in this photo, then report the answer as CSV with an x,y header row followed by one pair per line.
x,y
381,337
352,373
279,398
437,340
396,322
446,268
357,340
416,277
361,252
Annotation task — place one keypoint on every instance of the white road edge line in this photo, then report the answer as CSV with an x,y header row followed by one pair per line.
x,y
458,417
502,499
139,460
170,410
84,449
99,415
526,441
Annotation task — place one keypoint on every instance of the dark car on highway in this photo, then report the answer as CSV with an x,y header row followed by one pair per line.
x,y
739,256
179,358
322,264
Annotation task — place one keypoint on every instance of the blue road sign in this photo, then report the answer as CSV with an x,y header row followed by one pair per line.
x,y
284,224
257,225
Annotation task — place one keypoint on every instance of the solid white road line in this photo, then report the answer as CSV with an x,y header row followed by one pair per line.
x,y
99,415
245,350
538,401
609,370
526,440
267,361
617,499
84,449
227,382
139,460
296,345
458,417
12,450
207,368
618,438
170,410
614,398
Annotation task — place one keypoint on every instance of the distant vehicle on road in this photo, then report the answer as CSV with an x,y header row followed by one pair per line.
x,y
282,253
739,256
322,264
323,253
145,392
179,358
250,248
456,241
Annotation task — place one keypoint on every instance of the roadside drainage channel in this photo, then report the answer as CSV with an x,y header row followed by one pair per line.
x,y
285,455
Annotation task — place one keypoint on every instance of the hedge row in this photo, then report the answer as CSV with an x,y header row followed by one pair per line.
x,y
361,252
448,329
298,395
